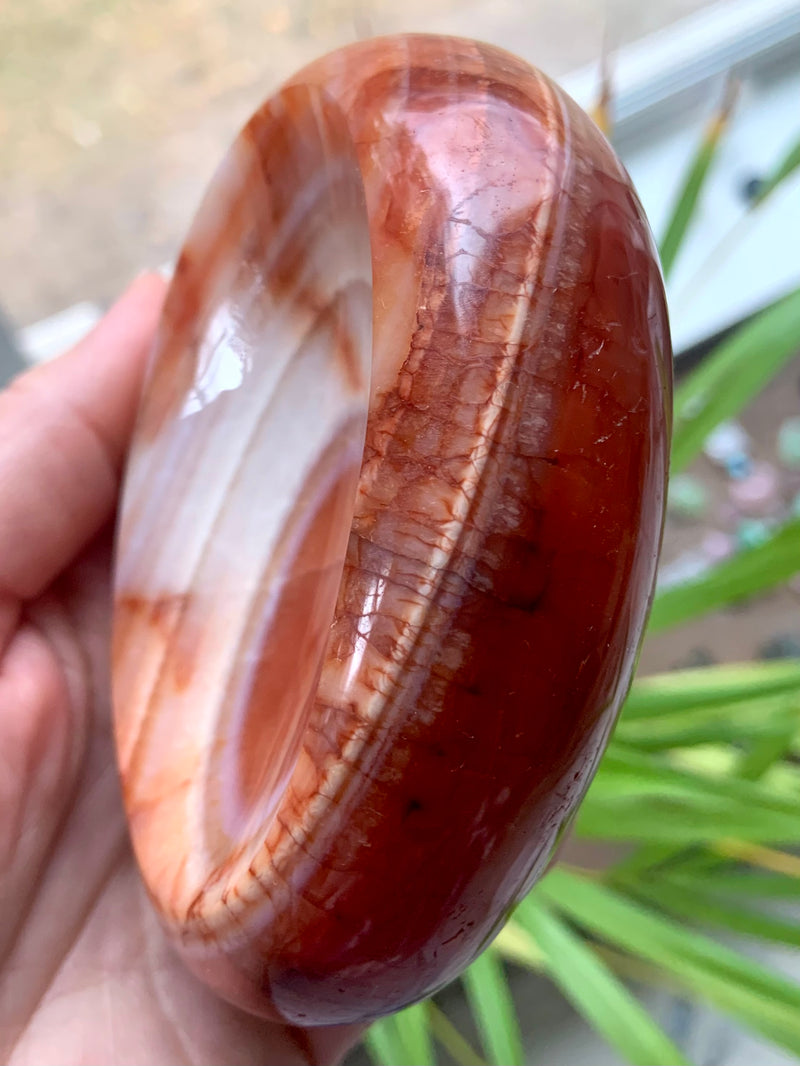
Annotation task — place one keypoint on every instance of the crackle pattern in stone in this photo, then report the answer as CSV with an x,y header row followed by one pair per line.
x,y
345,759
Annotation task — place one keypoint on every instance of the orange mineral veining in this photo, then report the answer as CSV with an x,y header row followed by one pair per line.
x,y
390,526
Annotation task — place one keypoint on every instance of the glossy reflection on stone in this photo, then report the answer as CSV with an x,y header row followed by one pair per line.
x,y
239,499
345,759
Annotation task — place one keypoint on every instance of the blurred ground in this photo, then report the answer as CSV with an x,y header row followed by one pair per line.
x,y
114,114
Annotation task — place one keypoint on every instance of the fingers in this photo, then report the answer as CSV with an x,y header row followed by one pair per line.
x,y
64,431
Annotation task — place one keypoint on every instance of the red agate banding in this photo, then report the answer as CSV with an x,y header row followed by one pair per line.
x,y
378,599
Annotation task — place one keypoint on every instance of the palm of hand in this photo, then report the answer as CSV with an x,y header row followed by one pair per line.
x,y
85,972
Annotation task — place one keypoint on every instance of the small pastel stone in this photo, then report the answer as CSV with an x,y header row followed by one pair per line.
x,y
726,441
717,546
687,497
758,494
788,442
781,646
738,466
752,533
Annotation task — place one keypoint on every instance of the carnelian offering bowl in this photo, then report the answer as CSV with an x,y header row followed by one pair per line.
x,y
390,525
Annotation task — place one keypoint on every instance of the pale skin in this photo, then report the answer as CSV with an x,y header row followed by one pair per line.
x,y
86,975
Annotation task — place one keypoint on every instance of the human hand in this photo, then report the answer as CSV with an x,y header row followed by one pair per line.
x,y
85,972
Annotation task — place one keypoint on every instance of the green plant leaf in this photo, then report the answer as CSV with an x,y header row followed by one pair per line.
x,y
601,111
414,1027
679,823
646,858
625,772
515,944
402,1040
637,796
746,574
750,884
767,750
701,906
689,193
751,993
732,375
785,167
493,1009
781,780
765,858
595,991
693,288
459,1049
773,721
776,875
688,690
383,1043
